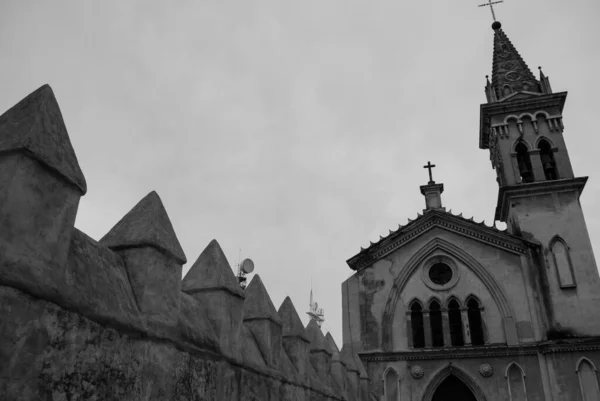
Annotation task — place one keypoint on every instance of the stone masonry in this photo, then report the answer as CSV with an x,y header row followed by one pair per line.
x,y
112,319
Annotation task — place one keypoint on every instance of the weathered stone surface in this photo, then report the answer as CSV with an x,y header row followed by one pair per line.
x,y
211,282
147,224
317,339
37,213
261,317
292,325
211,271
88,320
258,304
36,125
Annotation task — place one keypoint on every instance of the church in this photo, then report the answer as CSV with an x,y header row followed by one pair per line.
x,y
445,308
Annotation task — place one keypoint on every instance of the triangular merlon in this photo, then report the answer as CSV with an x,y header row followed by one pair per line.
x,y
147,224
36,125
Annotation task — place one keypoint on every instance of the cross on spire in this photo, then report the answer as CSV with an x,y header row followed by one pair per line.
x,y
491,3
430,166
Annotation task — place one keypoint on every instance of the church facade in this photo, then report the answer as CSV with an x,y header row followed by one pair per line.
x,y
445,308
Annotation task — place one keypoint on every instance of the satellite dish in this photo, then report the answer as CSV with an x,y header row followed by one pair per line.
x,y
247,266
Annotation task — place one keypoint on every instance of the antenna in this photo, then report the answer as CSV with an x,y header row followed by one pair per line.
x,y
314,311
246,267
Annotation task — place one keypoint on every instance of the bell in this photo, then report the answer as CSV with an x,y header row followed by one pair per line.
x,y
548,166
524,169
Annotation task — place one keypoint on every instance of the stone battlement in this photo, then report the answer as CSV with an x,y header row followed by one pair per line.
x,y
112,319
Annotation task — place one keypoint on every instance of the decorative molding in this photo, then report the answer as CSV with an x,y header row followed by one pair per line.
x,y
506,194
486,370
417,372
457,224
488,352
532,104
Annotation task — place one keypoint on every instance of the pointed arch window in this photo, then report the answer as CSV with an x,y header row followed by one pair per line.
x,y
456,325
391,385
515,378
416,320
475,322
547,158
562,262
588,380
524,162
437,328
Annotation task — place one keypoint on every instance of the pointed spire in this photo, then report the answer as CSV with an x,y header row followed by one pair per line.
x,y
36,125
317,339
292,325
211,271
146,224
510,74
258,304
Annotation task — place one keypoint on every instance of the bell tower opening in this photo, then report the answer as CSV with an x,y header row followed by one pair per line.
x,y
453,389
547,159
524,162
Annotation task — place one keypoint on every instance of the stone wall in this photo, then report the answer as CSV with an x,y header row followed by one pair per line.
x,y
112,319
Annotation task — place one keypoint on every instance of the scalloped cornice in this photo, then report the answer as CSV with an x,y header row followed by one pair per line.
x,y
432,219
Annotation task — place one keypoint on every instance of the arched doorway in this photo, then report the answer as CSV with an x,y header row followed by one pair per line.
x,y
453,389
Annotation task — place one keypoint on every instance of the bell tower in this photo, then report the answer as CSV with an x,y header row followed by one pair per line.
x,y
522,126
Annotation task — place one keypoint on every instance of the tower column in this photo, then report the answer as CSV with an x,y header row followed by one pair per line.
x,y
427,328
465,323
536,165
446,327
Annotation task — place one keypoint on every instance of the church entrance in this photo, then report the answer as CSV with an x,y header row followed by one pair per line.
x,y
453,389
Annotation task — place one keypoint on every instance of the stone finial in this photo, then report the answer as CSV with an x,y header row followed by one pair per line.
x,y
36,125
258,304
292,325
317,339
146,241
261,317
320,355
295,339
147,224
211,282
211,271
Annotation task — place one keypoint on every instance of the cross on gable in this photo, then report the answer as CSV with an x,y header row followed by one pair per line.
x,y
430,166
491,3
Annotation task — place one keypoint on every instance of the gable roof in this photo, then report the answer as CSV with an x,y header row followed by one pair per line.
x,y
437,218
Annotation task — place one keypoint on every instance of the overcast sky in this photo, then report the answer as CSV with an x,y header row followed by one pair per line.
x,y
295,131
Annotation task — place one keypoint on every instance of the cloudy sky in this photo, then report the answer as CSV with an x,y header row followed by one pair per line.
x,y
295,131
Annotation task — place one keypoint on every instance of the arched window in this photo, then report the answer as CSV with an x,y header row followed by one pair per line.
x,y
392,385
437,328
588,380
475,322
456,326
562,261
416,321
524,162
515,378
547,157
